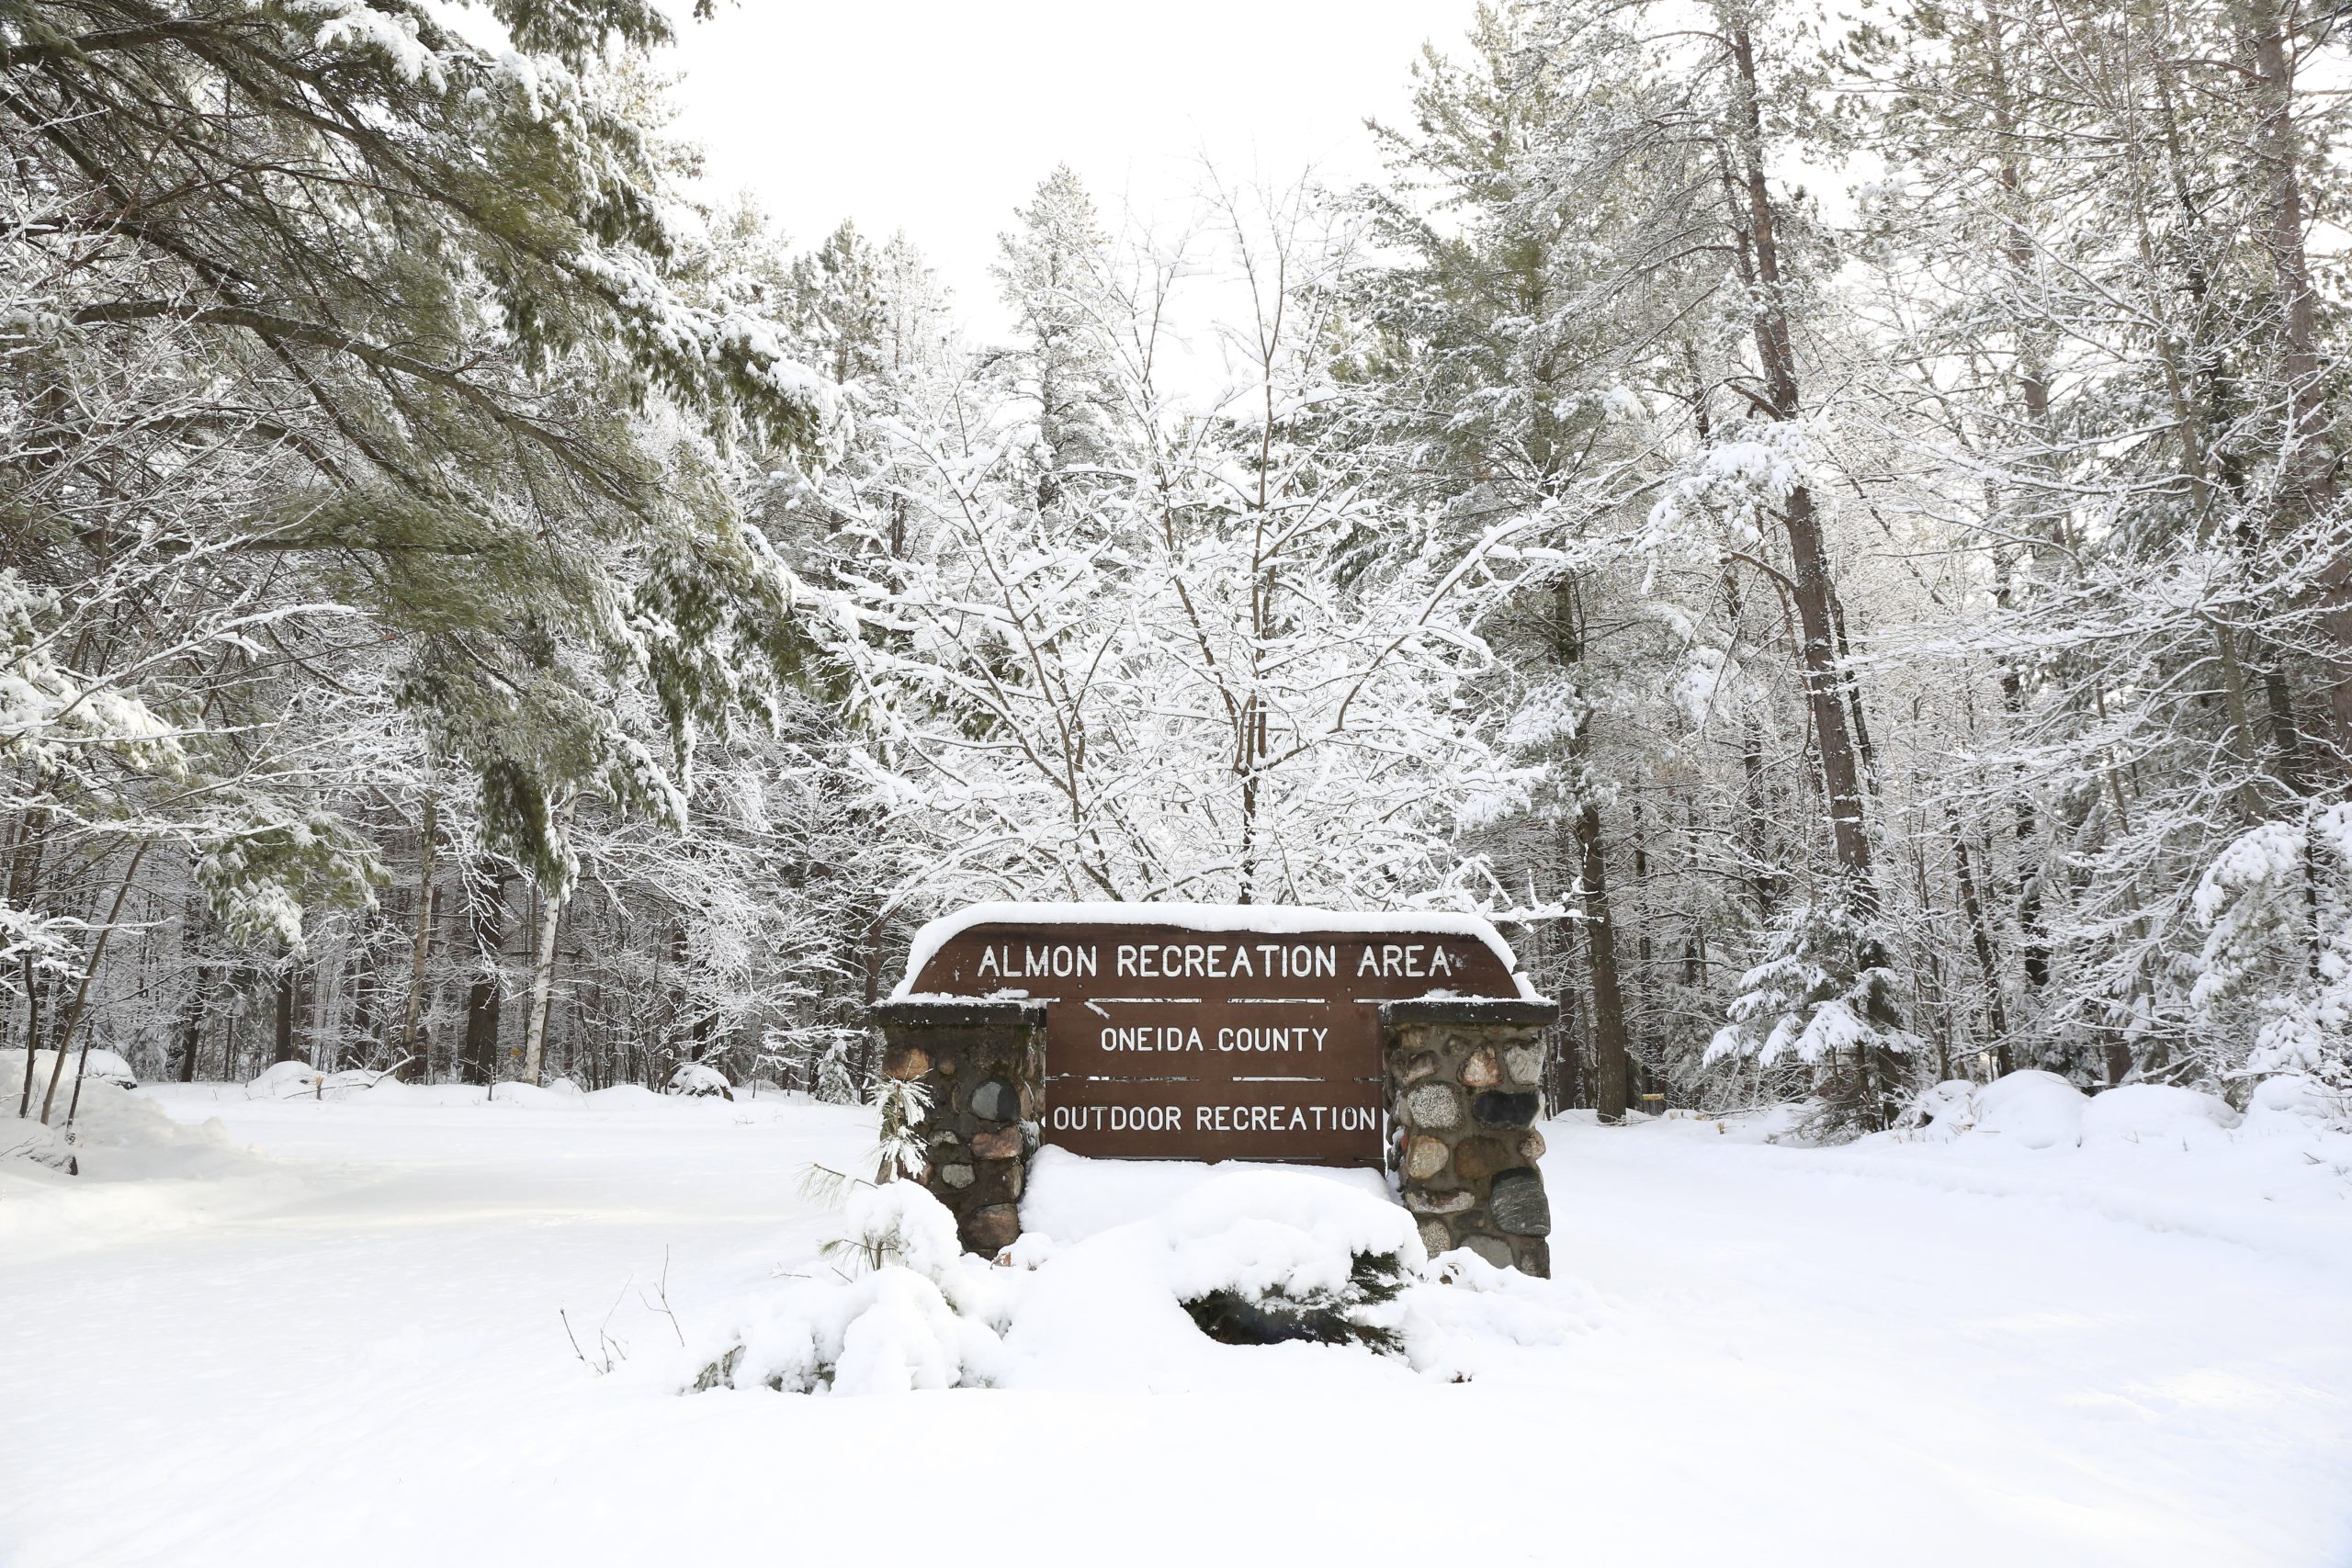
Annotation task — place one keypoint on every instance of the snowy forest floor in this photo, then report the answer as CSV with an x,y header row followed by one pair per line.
x,y
343,1347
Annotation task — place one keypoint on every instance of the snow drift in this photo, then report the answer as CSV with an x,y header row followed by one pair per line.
x,y
893,1304
118,1135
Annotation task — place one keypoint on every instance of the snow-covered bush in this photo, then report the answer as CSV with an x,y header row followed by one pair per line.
x,y
1945,1102
695,1082
899,1104
1256,1252
1358,1310
906,1308
1257,1259
1825,997
2276,963
897,1223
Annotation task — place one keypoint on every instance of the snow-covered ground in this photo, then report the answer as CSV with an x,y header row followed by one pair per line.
x,y
328,1334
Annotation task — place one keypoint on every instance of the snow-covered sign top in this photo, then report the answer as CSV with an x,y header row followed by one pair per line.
x,y
926,978
1211,1032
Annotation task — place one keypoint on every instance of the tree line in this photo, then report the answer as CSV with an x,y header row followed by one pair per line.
x,y
1826,527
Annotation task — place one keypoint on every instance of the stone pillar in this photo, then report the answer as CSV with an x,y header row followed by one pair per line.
x,y
984,1063
1464,1088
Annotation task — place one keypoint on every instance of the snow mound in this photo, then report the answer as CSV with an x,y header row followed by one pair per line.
x,y
2036,1109
118,1135
919,1313
622,1097
563,1086
2148,1112
1069,1197
531,1097
1260,1233
2294,1104
103,1066
1107,1309
1325,1267
2031,1109
1469,1318
285,1080
697,1082
1948,1101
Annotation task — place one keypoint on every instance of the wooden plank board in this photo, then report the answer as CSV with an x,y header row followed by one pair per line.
x,y
1166,1042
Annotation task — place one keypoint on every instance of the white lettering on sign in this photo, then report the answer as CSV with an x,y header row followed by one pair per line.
x,y
1282,1118
1244,1037
1152,1037
1115,1119
1406,961
1226,960
1053,961
1298,1038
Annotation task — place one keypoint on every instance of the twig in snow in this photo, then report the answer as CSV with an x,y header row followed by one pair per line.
x,y
662,1291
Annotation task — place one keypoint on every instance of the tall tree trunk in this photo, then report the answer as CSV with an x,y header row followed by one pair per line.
x,y
1980,936
535,1033
1610,1090
2044,555
24,859
428,905
33,1031
199,1002
2309,474
873,966
192,1025
1813,589
289,983
1611,1087
1566,1063
482,995
552,906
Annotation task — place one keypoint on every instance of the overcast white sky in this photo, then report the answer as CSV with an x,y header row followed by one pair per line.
x,y
940,116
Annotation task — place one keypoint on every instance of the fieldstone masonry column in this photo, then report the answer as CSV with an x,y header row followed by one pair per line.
x,y
1464,1088
984,1063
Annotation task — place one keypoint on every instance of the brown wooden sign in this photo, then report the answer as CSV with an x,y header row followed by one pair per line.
x,y
1222,1034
